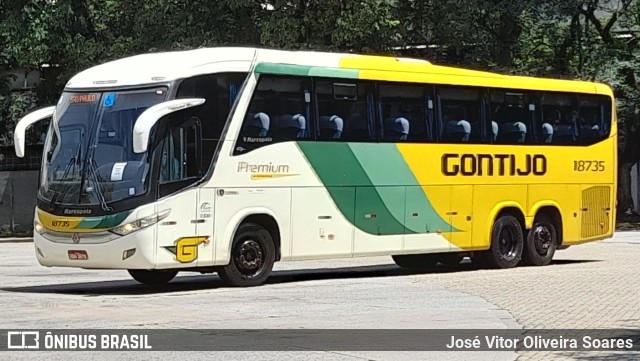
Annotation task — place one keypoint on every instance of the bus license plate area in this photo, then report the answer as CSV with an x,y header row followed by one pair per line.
x,y
78,255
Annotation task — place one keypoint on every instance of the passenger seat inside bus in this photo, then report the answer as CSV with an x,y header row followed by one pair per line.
x,y
494,131
290,127
396,129
564,134
512,133
565,129
331,127
457,131
547,133
257,125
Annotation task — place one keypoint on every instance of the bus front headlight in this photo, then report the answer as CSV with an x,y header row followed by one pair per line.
x,y
39,228
140,223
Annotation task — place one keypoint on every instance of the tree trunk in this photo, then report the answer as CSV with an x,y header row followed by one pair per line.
x,y
83,24
629,156
625,207
509,33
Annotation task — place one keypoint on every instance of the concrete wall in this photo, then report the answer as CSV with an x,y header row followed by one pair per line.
x,y
17,201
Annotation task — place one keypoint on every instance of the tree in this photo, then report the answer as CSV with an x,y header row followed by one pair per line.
x,y
605,55
555,38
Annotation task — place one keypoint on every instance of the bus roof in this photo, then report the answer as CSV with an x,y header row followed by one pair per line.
x,y
155,68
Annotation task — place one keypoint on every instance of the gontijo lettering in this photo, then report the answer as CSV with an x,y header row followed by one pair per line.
x,y
493,164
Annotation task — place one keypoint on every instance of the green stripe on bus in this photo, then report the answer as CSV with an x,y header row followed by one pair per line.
x,y
89,223
337,167
385,166
334,73
301,70
373,187
270,68
109,221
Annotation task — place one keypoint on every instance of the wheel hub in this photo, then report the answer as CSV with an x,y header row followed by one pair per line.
x,y
542,239
250,258
507,244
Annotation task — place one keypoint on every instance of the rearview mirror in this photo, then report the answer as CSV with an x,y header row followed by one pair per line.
x,y
26,122
150,117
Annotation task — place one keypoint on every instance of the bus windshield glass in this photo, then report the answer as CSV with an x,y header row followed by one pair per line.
x,y
89,158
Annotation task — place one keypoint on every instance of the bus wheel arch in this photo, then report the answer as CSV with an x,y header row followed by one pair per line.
x,y
554,213
507,234
270,224
252,256
544,237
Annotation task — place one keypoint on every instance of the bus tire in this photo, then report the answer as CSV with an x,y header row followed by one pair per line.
x,y
541,242
253,254
152,277
416,261
507,243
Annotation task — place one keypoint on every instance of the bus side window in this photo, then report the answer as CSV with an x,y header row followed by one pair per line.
x,y
560,119
279,111
460,110
219,92
402,108
345,111
181,157
509,117
594,118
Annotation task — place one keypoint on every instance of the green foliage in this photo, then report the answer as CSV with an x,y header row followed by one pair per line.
x,y
12,107
362,26
555,38
5,83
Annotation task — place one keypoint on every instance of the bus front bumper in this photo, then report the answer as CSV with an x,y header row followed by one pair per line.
x,y
133,251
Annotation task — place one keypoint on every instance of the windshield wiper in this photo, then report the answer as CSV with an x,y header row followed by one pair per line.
x,y
98,188
75,160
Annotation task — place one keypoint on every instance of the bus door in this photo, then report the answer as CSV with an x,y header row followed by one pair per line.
x,y
184,235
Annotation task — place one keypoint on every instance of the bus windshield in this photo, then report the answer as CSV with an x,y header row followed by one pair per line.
x,y
89,158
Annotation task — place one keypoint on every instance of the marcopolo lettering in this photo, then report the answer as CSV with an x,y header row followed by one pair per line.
x,y
493,164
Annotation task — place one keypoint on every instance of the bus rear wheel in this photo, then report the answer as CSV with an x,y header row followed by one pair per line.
x,y
252,257
541,242
507,243
152,277
416,261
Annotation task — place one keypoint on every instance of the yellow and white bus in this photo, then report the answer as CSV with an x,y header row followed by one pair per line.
x,y
229,159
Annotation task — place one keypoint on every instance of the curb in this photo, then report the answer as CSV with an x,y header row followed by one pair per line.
x,y
16,240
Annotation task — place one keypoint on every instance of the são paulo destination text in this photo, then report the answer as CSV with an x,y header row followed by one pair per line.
x,y
538,342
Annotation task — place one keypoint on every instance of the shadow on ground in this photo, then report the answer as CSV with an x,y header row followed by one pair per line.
x,y
210,281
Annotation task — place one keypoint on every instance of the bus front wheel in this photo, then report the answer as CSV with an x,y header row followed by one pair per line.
x,y
541,242
152,277
507,243
252,257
